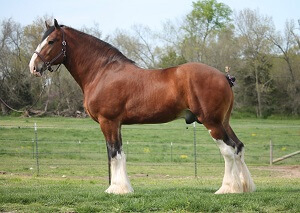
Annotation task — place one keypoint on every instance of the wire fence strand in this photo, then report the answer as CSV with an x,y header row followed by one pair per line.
x,y
19,153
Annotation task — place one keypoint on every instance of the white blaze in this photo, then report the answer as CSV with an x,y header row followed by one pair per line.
x,y
34,56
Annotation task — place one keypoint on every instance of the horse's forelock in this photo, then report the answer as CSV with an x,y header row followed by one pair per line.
x,y
49,31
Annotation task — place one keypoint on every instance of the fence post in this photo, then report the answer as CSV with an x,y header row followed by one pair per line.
x,y
100,148
195,149
171,152
33,148
127,150
271,152
36,150
79,145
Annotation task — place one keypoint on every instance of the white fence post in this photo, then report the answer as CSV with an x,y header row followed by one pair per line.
x,y
271,153
171,151
195,149
36,150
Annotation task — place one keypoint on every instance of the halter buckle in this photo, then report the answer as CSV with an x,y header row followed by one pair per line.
x,y
48,65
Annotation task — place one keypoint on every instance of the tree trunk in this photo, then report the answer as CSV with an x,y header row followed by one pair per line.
x,y
259,111
46,106
287,59
48,98
3,109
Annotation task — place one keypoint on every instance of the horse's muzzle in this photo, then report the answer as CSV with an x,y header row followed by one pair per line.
x,y
37,73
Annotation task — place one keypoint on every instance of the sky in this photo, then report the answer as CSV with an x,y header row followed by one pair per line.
x,y
123,14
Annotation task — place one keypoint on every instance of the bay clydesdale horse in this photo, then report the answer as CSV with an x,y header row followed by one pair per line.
x,y
117,91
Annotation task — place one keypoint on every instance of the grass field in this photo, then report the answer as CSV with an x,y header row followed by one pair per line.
x,y
73,167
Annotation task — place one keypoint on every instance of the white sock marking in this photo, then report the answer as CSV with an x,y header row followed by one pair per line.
x,y
120,183
245,176
231,181
237,177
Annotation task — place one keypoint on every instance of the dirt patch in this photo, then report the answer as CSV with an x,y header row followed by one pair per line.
x,y
283,171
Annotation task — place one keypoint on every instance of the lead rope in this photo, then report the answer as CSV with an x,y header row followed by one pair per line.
x,y
29,108
9,106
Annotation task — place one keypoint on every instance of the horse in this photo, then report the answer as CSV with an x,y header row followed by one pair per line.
x,y
118,92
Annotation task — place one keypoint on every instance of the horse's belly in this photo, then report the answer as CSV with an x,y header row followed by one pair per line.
x,y
153,114
150,118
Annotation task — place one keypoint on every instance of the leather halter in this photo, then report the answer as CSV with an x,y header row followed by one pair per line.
x,y
48,64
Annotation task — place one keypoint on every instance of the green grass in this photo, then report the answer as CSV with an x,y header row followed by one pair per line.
x,y
73,175
32,194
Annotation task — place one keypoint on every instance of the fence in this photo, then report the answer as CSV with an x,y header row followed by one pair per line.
x,y
150,150
281,158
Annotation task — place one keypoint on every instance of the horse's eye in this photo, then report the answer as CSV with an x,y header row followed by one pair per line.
x,y
51,42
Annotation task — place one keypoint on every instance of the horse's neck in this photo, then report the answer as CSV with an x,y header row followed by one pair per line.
x,y
80,63
83,60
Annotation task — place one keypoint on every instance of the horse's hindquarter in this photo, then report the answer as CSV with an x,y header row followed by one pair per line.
x,y
208,91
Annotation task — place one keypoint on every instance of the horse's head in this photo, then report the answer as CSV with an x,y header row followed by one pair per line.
x,y
51,51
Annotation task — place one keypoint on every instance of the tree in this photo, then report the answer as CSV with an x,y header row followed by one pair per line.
x,y
94,31
14,86
207,17
286,49
223,50
285,44
170,59
252,29
138,46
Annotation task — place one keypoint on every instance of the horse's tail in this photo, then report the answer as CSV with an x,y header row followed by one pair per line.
x,y
227,126
230,79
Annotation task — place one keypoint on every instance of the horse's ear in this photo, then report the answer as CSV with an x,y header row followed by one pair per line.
x,y
47,25
56,24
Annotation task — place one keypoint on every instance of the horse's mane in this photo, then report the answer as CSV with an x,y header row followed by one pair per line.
x,y
104,49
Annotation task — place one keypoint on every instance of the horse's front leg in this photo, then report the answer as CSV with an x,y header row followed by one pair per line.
x,y
118,178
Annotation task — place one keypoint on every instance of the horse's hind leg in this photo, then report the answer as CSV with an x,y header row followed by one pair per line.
x,y
231,181
119,181
245,176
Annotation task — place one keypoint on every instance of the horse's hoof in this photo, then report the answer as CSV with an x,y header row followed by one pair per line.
x,y
228,190
115,189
